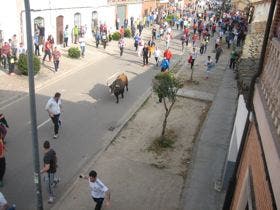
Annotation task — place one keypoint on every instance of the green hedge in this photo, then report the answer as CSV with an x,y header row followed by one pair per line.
x,y
74,52
22,64
116,36
127,33
170,18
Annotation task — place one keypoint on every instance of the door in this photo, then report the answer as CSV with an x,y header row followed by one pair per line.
x,y
121,13
59,29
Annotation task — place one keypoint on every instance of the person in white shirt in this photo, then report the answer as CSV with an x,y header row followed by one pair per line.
x,y
157,55
21,49
82,42
4,204
98,191
53,107
194,55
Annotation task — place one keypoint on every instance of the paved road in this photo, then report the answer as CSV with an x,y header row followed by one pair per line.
x,y
90,112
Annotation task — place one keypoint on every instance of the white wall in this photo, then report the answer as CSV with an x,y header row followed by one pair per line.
x,y
50,9
238,128
261,12
8,19
134,10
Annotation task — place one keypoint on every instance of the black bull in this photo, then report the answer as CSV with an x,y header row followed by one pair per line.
x,y
117,87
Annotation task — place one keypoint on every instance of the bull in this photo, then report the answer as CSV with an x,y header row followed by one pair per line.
x,y
118,86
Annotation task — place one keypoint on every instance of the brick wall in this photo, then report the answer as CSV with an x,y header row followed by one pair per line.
x,y
252,158
276,19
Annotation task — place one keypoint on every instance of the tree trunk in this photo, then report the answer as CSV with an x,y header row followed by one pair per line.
x,y
164,125
167,112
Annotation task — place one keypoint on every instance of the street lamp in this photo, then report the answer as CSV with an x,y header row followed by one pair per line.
x,y
35,149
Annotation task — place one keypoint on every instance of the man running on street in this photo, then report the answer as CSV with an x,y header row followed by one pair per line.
x,y
53,107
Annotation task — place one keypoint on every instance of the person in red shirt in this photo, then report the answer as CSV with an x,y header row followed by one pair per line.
x,y
167,54
186,31
194,39
56,56
5,54
122,32
47,50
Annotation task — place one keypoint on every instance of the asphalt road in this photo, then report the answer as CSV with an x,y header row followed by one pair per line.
x,y
89,112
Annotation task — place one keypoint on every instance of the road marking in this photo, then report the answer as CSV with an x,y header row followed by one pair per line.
x,y
43,123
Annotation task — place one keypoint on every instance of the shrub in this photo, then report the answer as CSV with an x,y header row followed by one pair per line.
x,y
127,33
74,52
116,36
170,18
22,64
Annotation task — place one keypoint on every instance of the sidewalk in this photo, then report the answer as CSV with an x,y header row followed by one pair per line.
x,y
202,187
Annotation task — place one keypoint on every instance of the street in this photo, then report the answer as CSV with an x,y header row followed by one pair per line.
x,y
89,114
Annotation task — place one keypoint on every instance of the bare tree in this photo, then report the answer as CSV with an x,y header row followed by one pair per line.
x,y
166,85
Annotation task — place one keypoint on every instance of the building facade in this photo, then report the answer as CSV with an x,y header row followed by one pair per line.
x,y
51,17
255,184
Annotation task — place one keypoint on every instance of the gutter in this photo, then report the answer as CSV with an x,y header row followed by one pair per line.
x,y
232,184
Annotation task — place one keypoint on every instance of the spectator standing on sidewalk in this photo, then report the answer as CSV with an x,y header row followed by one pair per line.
x,y
219,51
53,108
56,57
36,43
98,191
14,45
66,36
5,54
82,42
21,49
2,159
49,170
76,34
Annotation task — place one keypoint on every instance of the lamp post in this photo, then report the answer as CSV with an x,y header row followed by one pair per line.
x,y
35,149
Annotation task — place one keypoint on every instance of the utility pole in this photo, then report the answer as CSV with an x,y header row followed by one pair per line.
x,y
35,148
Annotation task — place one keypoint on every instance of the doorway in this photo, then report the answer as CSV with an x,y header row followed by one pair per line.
x,y
59,29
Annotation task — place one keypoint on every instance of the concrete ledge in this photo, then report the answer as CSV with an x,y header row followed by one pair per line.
x,y
194,94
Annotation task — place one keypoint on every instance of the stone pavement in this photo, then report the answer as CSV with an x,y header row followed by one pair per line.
x,y
203,184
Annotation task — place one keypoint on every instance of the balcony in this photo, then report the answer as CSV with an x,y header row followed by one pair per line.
x,y
270,82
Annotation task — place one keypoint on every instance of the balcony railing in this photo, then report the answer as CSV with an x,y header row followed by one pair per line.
x,y
270,81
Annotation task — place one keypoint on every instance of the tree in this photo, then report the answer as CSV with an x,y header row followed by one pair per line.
x,y
166,85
